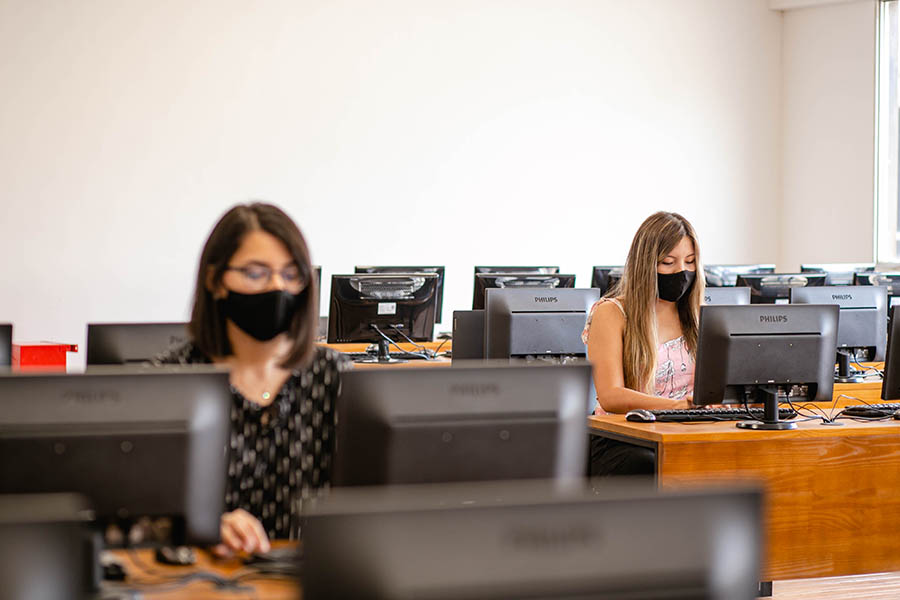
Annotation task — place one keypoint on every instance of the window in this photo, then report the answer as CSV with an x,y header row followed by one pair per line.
x,y
888,112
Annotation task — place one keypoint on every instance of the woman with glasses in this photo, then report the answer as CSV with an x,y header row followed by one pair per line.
x,y
255,312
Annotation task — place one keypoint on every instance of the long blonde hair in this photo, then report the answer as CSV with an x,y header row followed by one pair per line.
x,y
638,289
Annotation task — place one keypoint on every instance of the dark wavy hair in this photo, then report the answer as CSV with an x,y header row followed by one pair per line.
x,y
207,326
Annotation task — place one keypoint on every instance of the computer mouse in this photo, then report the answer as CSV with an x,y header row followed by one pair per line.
x,y
178,556
641,415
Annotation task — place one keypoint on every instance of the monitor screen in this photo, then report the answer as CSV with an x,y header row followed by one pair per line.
x,y
478,422
726,275
726,295
508,540
123,343
775,288
837,273
438,270
368,307
862,327
5,344
765,354
521,280
890,387
605,277
138,442
524,323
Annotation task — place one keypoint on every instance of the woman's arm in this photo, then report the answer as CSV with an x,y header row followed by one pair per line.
x,y
605,345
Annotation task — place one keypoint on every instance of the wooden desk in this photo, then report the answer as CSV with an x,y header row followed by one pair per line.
x,y
141,567
441,346
831,492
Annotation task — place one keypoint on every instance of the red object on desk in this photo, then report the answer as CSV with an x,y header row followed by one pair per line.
x,y
41,356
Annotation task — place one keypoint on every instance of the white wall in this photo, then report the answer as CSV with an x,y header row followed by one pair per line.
x,y
398,131
829,134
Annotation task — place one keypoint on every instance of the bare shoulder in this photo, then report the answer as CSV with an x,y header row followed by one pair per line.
x,y
608,313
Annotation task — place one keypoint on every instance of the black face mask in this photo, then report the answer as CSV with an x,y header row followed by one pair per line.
x,y
673,286
262,316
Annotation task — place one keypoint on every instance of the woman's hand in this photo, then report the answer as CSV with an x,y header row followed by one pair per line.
x,y
241,531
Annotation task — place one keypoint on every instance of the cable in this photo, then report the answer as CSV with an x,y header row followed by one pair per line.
x,y
866,369
424,350
441,345
382,334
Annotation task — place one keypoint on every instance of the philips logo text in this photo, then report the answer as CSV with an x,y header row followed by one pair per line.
x,y
546,299
773,319
474,389
841,297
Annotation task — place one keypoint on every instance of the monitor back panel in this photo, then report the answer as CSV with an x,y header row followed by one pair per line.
x,y
5,344
863,317
468,334
123,343
726,295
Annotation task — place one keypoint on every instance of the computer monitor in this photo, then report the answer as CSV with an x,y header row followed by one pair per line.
x,y
317,269
862,329
468,335
438,270
532,270
889,280
524,323
726,275
533,540
484,281
42,547
478,295
837,273
605,277
5,345
479,422
124,343
369,307
726,295
766,354
890,386
134,442
775,288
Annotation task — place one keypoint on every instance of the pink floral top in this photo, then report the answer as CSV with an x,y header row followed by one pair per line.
x,y
674,364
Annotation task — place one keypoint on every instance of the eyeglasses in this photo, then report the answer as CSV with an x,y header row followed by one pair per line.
x,y
260,276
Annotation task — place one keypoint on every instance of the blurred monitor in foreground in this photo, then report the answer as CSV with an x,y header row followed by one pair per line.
x,y
533,540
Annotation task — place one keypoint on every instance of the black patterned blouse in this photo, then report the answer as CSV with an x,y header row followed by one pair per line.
x,y
280,454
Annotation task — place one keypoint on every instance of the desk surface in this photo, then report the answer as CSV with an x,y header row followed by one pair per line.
x,y
868,587
439,346
832,492
141,567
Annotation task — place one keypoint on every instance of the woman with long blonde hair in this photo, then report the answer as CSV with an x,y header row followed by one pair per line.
x,y
642,336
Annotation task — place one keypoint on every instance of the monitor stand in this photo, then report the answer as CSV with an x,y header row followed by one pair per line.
x,y
767,395
383,357
845,372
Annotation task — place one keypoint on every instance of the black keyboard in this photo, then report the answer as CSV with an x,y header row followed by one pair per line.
x,y
360,356
724,413
872,411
